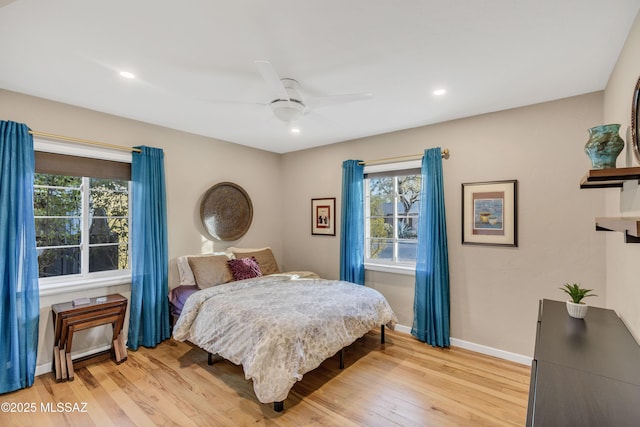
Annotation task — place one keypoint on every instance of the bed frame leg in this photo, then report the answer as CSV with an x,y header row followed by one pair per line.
x,y
278,406
210,358
382,334
342,358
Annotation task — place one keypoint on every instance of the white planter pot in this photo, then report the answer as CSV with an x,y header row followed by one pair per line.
x,y
577,310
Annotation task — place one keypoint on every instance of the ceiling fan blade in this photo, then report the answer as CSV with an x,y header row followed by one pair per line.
x,y
325,101
273,80
233,103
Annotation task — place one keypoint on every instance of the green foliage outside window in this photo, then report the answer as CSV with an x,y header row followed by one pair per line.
x,y
109,201
58,222
382,197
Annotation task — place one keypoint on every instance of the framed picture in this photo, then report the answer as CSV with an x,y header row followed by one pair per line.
x,y
490,213
323,216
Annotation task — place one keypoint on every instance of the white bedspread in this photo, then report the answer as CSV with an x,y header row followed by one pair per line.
x,y
280,327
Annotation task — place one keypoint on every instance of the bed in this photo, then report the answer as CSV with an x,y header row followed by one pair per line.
x,y
281,325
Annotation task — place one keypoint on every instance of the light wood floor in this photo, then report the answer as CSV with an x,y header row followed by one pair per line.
x,y
401,383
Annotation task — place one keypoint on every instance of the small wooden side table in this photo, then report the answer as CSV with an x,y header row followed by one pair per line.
x,y
69,318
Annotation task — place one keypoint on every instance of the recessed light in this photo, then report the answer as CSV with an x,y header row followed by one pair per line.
x,y
295,130
127,75
439,92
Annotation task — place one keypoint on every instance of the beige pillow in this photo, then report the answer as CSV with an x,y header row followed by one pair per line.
x,y
263,256
210,270
184,270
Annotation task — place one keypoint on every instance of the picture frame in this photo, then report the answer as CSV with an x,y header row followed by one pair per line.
x,y
490,213
323,216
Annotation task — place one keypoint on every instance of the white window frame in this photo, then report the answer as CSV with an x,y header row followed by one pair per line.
x,y
405,268
80,282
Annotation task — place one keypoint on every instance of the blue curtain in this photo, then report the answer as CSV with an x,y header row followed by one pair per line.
x,y
19,295
352,226
431,303
149,311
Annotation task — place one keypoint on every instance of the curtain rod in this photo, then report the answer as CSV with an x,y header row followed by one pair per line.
x,y
445,155
84,141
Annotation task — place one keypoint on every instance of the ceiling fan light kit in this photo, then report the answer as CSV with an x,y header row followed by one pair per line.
x,y
287,111
292,107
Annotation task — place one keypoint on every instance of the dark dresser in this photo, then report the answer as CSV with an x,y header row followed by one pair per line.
x,y
585,372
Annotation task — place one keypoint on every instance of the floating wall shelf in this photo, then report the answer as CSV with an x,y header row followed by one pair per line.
x,y
630,226
615,178
608,178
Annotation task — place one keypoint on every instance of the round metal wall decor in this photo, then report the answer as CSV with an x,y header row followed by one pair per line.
x,y
226,211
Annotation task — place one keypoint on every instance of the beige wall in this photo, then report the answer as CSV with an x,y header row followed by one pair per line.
x,y
623,286
192,165
494,290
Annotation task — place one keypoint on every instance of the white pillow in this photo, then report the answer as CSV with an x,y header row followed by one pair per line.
x,y
184,269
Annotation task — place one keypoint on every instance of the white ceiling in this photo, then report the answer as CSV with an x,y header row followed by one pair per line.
x,y
194,59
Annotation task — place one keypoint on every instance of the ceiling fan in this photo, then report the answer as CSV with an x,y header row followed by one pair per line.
x,y
289,105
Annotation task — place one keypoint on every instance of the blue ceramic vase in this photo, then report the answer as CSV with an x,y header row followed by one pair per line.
x,y
604,146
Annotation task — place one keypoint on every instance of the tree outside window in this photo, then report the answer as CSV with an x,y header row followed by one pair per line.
x,y
392,218
82,224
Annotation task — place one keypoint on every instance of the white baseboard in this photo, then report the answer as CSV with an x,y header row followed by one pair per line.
x,y
46,368
490,351
403,329
479,348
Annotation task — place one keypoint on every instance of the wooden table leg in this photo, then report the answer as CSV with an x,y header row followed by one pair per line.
x,y
123,347
63,364
69,367
119,349
67,350
56,364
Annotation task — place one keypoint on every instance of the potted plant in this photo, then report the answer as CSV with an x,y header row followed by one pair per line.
x,y
575,306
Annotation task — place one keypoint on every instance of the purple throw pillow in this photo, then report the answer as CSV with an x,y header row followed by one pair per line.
x,y
244,268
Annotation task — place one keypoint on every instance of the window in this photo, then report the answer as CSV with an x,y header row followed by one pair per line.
x,y
391,217
81,209
82,225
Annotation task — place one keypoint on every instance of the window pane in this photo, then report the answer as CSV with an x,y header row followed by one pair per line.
x,y
408,227
56,202
58,261
109,184
381,249
108,197
57,231
57,180
407,251
109,257
109,201
106,258
62,197
381,196
393,207
123,256
408,194
409,187
120,226
381,186
379,227
108,230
